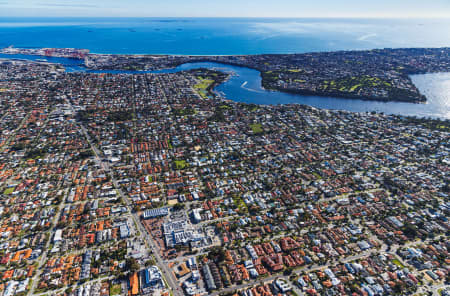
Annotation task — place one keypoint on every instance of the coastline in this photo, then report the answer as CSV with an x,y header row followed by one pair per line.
x,y
228,89
210,58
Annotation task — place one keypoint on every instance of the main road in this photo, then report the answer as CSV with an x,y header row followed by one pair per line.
x,y
168,274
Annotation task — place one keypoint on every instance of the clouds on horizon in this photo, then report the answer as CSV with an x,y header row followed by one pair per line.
x,y
68,5
229,8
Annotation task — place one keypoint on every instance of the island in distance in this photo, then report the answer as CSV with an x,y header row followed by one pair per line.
x,y
379,74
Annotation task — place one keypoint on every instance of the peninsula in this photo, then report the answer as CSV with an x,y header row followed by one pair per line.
x,y
379,74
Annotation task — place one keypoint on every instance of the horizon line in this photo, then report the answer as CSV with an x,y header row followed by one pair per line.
x,y
249,17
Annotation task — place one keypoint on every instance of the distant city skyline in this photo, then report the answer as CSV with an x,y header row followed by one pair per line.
x,y
229,8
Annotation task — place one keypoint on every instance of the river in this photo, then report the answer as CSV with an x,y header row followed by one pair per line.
x,y
245,86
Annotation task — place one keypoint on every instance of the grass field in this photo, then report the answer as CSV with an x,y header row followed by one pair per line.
x,y
240,204
202,87
9,190
353,84
224,107
256,128
180,164
115,290
398,263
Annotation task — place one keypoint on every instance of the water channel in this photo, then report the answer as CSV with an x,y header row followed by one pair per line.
x,y
245,86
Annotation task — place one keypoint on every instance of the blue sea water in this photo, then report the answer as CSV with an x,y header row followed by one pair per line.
x,y
222,36
205,36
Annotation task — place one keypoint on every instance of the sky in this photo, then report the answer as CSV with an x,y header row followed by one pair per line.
x,y
226,8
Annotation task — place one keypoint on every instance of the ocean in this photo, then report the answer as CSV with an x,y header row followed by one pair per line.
x,y
222,36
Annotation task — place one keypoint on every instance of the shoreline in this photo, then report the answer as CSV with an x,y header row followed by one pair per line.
x,y
300,92
211,55
344,101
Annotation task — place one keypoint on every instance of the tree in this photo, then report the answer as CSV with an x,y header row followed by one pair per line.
x,y
149,262
179,206
132,265
217,252
288,271
409,230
